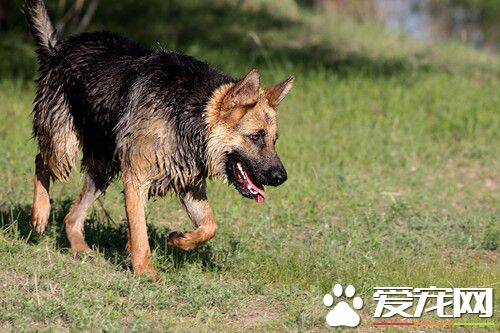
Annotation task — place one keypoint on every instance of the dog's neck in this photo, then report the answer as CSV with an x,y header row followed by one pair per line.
x,y
215,155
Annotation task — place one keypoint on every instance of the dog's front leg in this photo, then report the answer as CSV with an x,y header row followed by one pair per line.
x,y
200,213
135,199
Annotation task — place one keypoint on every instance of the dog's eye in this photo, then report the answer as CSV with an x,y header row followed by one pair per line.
x,y
254,137
257,138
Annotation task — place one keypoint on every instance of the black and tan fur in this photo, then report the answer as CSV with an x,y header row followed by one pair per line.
x,y
164,120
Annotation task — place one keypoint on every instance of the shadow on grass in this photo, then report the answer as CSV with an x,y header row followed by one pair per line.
x,y
219,32
105,236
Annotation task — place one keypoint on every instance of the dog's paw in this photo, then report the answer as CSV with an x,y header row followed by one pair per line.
x,y
147,272
40,217
82,251
180,240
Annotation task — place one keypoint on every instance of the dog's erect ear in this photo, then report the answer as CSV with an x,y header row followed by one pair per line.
x,y
276,94
245,92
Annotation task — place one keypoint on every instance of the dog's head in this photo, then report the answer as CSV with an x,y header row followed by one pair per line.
x,y
242,134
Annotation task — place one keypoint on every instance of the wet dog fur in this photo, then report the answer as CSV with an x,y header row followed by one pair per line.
x,y
163,120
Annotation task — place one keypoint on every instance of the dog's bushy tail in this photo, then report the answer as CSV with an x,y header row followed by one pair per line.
x,y
42,29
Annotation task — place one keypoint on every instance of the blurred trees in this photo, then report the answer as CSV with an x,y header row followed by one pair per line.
x,y
76,15
472,21
483,13
69,15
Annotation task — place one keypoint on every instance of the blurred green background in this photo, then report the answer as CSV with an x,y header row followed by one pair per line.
x,y
390,137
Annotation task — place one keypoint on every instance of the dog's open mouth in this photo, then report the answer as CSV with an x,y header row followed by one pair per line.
x,y
243,180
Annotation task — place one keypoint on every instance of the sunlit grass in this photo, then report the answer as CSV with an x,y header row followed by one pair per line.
x,y
393,180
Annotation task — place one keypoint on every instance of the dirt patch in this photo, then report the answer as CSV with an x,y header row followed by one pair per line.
x,y
255,313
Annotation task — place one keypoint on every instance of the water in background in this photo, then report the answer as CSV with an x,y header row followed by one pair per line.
x,y
438,20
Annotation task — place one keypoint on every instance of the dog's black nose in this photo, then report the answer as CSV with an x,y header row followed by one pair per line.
x,y
278,176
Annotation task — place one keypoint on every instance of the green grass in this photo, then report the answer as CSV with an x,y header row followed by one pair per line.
x,y
392,152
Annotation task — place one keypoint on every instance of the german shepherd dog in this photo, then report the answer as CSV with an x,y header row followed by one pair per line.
x,y
164,120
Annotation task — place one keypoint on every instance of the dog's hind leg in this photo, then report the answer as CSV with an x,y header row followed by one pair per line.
x,y
40,210
99,174
58,144
74,220
200,213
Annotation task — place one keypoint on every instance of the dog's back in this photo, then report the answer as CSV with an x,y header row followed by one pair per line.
x,y
94,86
97,70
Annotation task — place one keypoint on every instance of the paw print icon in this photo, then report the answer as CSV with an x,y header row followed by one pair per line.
x,y
343,314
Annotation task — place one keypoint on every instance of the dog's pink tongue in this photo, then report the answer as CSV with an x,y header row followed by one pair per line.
x,y
261,194
260,198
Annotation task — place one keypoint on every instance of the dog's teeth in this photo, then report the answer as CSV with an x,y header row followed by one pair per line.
x,y
250,188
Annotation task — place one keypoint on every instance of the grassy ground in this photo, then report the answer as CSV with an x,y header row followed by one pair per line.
x,y
392,152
